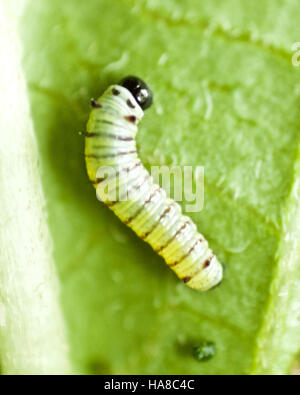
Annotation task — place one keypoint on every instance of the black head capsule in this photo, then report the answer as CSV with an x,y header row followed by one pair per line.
x,y
140,91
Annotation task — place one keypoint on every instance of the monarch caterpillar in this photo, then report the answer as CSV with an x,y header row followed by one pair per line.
x,y
110,141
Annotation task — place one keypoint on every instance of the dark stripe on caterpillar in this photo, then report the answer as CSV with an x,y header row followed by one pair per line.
x,y
101,147
127,222
95,103
172,238
97,181
104,156
118,173
130,118
186,279
187,254
205,266
208,261
145,235
108,135
128,169
106,122
138,186
116,92
129,103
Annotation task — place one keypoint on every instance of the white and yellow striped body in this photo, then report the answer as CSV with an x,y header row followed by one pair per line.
x,y
110,141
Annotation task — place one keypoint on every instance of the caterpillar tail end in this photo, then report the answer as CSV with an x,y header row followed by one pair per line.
x,y
207,279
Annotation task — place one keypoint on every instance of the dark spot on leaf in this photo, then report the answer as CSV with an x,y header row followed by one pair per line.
x,y
98,367
204,351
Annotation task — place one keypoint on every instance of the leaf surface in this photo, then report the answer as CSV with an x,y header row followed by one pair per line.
x,y
226,97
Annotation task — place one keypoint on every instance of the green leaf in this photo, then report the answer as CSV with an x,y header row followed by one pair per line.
x,y
32,333
226,97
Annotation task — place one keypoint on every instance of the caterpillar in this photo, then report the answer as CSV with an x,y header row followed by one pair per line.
x,y
155,218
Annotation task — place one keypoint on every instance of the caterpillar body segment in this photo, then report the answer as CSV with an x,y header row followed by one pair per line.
x,y
141,204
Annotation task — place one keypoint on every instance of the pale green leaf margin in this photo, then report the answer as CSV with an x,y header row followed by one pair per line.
x,y
32,331
279,337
